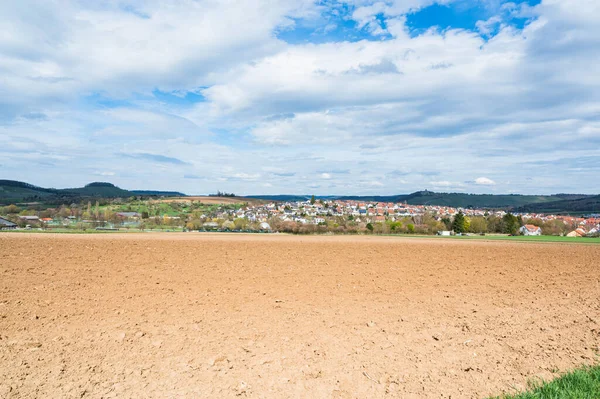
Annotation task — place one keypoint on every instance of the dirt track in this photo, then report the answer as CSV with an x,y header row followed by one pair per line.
x,y
190,315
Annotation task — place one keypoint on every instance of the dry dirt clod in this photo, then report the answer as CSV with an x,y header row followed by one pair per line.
x,y
217,359
371,378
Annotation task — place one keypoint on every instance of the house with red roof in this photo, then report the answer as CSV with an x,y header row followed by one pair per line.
x,y
530,230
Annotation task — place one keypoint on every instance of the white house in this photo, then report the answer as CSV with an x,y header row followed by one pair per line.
x,y
530,230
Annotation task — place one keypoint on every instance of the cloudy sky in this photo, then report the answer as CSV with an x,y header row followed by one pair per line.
x,y
302,96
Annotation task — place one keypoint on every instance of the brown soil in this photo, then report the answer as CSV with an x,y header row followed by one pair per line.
x,y
267,316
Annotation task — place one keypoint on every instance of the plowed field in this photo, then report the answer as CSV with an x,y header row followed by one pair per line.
x,y
195,315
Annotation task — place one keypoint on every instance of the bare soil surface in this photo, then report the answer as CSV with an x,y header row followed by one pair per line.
x,y
186,315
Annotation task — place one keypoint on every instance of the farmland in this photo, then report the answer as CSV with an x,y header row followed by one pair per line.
x,y
224,315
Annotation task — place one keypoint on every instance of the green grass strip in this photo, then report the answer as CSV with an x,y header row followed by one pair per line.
x,y
582,383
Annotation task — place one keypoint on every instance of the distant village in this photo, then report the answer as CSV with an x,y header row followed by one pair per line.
x,y
382,217
300,217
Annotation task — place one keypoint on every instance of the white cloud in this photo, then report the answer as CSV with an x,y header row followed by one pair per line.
x,y
484,181
50,51
436,107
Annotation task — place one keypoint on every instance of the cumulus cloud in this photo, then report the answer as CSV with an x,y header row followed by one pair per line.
x,y
484,181
382,104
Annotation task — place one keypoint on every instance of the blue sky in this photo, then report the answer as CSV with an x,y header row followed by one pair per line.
x,y
326,97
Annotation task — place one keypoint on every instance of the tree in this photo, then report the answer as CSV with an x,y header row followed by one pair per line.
x,y
312,200
467,223
12,209
510,224
447,222
394,227
228,225
370,227
536,222
458,225
240,223
495,224
478,225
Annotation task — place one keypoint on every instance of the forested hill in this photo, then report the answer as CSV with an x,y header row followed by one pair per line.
x,y
12,191
584,205
459,200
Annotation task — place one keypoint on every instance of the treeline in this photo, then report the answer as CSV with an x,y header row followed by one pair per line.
x,y
424,224
222,194
20,184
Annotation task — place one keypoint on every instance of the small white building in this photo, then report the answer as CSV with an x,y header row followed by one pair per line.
x,y
530,230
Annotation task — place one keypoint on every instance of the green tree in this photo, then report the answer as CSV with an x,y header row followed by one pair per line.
x,y
478,225
240,223
510,224
447,222
467,223
370,227
458,224
312,200
12,209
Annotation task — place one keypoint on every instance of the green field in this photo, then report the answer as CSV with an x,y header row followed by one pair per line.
x,y
500,237
586,240
582,383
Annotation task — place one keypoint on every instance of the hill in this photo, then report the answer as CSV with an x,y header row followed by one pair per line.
x,y
458,200
12,191
589,204
461,200
99,190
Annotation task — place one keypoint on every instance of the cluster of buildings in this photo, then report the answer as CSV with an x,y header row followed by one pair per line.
x,y
588,225
319,212
29,221
372,212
